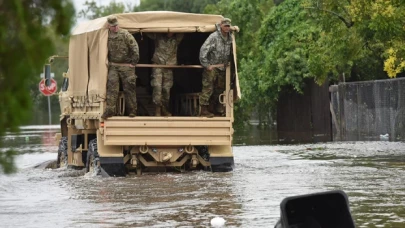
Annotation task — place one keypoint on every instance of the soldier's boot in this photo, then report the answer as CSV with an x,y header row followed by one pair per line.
x,y
107,113
211,107
165,112
158,111
205,112
131,115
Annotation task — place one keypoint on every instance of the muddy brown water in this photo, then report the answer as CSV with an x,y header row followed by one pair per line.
x,y
371,173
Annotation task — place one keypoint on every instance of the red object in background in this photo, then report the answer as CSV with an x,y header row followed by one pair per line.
x,y
48,90
48,138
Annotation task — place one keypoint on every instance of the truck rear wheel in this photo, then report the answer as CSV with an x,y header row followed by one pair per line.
x,y
92,158
62,159
102,166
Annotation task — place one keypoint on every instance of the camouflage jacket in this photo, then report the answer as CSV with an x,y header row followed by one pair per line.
x,y
216,49
122,47
165,48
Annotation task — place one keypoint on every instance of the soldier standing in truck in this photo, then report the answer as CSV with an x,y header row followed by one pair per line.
x,y
123,54
162,78
215,50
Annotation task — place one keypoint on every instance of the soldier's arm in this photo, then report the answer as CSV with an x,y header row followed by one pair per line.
x,y
133,48
206,48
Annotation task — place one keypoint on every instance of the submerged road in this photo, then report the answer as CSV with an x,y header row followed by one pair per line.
x,y
371,173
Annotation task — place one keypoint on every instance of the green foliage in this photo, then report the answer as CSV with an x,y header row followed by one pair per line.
x,y
285,40
274,50
324,40
358,33
152,5
25,43
93,11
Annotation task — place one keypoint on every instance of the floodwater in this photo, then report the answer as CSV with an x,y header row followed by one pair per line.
x,y
371,173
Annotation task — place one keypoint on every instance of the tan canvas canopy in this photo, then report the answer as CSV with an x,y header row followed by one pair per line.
x,y
88,64
155,21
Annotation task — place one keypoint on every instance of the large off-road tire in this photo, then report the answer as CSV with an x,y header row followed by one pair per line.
x,y
97,165
62,159
92,160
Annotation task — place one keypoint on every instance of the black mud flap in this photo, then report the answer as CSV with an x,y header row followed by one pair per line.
x,y
222,164
112,167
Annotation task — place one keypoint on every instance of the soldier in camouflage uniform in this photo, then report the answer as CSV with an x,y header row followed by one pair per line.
x,y
123,54
215,50
162,78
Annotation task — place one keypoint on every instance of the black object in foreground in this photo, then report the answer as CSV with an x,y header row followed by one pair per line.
x,y
325,209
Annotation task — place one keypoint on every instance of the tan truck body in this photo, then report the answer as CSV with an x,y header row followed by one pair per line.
x,y
184,141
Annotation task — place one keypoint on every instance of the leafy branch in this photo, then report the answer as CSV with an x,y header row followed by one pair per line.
x,y
348,24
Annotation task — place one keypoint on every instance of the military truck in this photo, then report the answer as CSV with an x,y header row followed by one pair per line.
x,y
120,144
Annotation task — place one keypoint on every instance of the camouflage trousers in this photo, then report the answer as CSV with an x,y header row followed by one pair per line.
x,y
128,80
213,84
162,82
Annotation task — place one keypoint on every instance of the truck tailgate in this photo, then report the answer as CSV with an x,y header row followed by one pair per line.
x,y
168,131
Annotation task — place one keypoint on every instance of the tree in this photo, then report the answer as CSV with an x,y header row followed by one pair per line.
x,y
322,40
285,44
375,27
26,30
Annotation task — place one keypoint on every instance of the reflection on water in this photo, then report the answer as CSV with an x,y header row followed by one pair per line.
x,y
31,139
255,135
371,173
